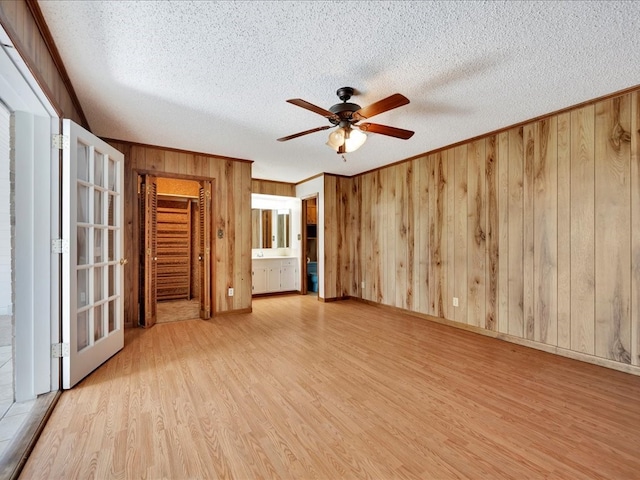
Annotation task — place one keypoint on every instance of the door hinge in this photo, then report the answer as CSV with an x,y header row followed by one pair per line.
x,y
59,141
59,350
59,245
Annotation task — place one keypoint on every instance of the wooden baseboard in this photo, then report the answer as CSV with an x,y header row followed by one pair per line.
x,y
274,294
232,312
563,352
336,299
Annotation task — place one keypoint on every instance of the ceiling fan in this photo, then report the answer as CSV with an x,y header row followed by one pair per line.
x,y
348,137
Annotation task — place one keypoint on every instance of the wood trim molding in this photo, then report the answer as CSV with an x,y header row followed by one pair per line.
x,y
563,352
309,179
178,150
34,8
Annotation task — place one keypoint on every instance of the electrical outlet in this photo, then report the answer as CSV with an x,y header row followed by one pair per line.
x,y
455,301
230,292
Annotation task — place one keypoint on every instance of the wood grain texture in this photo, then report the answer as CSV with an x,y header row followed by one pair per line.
x,y
417,254
635,228
461,237
424,237
516,232
545,248
493,234
612,229
344,390
270,187
564,230
402,290
530,133
582,230
476,234
391,233
451,234
503,231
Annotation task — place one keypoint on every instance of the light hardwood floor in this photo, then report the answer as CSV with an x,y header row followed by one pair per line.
x,y
302,389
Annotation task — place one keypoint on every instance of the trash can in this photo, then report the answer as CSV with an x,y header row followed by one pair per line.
x,y
312,277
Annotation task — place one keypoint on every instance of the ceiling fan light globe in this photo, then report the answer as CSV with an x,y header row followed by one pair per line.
x,y
336,138
355,141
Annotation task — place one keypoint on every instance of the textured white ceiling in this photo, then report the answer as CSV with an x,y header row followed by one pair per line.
x,y
214,76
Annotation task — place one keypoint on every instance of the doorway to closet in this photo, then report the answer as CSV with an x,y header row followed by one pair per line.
x,y
175,249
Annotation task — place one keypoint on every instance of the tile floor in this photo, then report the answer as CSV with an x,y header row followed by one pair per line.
x,y
12,415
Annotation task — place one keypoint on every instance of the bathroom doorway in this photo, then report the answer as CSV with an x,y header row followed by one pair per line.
x,y
310,245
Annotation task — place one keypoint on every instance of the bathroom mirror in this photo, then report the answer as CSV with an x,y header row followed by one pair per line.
x,y
270,228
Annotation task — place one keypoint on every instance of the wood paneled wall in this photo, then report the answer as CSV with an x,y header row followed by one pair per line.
x,y
23,22
268,187
535,230
231,215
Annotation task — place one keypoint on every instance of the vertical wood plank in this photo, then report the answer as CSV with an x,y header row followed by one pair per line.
x,y
234,231
516,232
425,256
243,245
356,238
338,237
447,236
154,159
460,154
441,213
435,234
379,230
330,240
612,229
582,230
411,236
366,234
416,221
635,228
391,235
172,162
400,204
476,234
492,234
503,232
564,230
545,275
530,136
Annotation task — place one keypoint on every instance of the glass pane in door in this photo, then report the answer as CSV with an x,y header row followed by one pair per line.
x,y
83,329
98,328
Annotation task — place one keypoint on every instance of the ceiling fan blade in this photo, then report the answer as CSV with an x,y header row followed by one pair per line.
x,y
314,108
386,130
306,132
394,101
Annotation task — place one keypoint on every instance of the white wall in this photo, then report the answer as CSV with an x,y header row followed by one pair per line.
x,y
311,188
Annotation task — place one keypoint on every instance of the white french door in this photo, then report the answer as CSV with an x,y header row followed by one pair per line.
x,y
92,278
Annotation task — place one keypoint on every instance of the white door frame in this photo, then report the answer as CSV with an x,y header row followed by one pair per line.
x,y
37,200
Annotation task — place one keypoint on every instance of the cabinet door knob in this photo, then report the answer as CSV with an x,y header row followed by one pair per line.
x,y
124,261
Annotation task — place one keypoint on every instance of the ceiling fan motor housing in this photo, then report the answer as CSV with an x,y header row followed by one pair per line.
x,y
344,111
